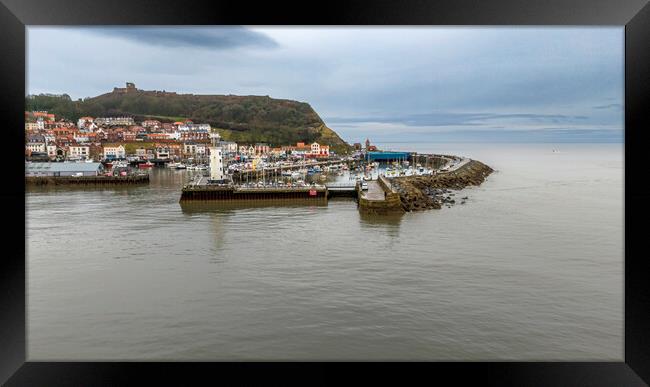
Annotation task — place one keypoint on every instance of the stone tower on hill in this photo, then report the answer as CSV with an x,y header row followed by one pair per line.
x,y
130,88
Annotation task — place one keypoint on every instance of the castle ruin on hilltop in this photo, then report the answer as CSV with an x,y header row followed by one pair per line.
x,y
130,88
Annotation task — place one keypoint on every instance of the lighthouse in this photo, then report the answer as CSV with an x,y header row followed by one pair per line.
x,y
216,159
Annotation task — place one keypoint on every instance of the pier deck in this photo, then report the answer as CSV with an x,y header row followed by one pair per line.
x,y
229,192
87,180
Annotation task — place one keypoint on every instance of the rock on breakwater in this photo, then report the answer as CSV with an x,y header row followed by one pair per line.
x,y
432,192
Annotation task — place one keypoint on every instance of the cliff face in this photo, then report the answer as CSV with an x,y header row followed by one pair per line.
x,y
427,192
238,118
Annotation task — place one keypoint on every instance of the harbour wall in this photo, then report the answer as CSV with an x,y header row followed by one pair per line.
x,y
86,180
231,194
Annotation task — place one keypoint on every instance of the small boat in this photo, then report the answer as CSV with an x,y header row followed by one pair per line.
x,y
201,167
421,171
146,165
180,166
391,172
120,164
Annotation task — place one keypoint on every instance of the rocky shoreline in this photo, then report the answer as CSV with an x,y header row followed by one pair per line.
x,y
419,193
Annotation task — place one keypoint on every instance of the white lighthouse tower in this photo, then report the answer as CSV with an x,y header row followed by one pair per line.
x,y
216,159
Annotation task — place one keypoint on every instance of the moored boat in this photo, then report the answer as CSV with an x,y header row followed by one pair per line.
x,y
146,165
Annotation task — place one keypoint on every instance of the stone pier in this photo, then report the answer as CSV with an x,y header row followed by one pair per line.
x,y
380,197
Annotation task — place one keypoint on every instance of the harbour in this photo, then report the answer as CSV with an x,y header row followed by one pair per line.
x,y
233,280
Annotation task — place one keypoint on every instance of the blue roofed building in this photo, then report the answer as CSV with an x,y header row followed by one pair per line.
x,y
387,156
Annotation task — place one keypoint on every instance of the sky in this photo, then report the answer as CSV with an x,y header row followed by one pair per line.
x,y
389,84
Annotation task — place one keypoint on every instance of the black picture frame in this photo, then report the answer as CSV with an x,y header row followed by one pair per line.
x,y
633,14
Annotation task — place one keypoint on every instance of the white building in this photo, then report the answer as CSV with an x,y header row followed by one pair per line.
x,y
79,151
86,123
228,146
190,127
163,153
36,147
114,152
320,150
122,121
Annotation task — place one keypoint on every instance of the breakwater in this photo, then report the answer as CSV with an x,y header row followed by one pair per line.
x,y
86,180
432,192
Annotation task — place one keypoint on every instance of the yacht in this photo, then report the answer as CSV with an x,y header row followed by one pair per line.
x,y
391,172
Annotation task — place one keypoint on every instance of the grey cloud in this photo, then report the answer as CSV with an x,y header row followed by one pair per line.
x,y
197,37
422,80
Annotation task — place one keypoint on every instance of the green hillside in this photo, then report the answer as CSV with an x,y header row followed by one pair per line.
x,y
243,119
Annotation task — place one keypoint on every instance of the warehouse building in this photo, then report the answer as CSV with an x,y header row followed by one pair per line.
x,y
63,169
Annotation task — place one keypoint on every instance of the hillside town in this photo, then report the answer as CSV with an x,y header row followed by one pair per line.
x,y
121,138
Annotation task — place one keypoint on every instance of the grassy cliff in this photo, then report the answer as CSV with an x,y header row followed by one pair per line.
x,y
244,119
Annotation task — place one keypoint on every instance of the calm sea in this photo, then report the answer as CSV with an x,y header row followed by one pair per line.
x,y
530,268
